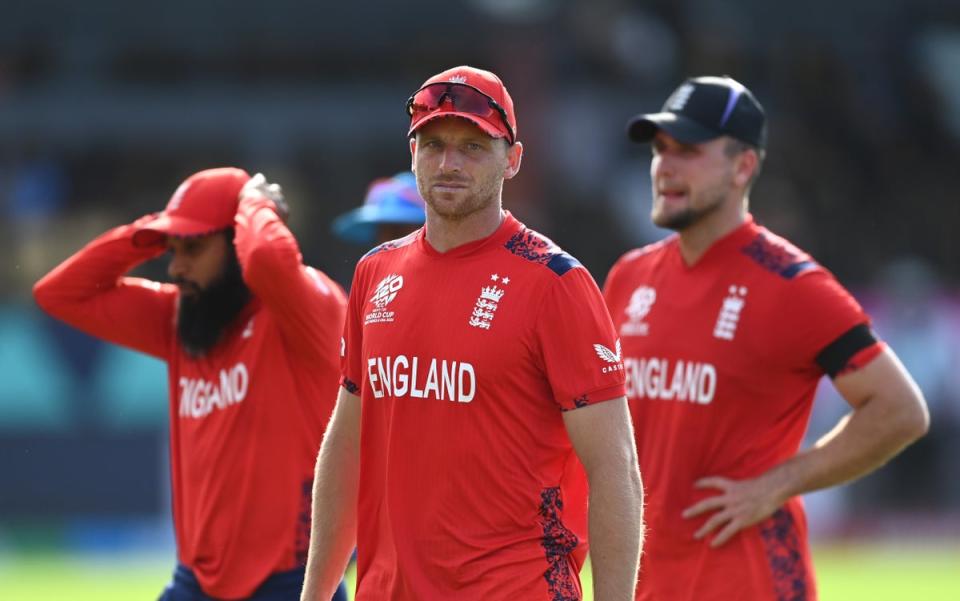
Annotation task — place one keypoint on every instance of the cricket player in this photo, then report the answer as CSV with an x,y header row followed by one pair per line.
x,y
251,338
726,330
480,368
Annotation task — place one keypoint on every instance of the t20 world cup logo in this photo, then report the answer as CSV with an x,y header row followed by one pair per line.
x,y
387,290
384,294
641,301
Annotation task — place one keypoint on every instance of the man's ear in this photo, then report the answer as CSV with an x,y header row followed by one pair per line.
x,y
746,166
514,157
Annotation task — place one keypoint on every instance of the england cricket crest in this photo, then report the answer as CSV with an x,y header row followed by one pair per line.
x,y
485,309
729,316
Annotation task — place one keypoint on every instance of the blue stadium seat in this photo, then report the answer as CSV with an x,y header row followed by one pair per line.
x,y
130,389
36,388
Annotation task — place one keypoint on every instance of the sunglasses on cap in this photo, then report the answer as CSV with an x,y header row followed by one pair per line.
x,y
463,98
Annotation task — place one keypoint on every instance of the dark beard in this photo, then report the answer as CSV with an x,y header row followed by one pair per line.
x,y
203,317
678,222
684,219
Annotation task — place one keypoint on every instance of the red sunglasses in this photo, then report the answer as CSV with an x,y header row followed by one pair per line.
x,y
464,98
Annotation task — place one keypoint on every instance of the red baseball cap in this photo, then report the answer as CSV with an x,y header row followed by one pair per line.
x,y
206,202
498,122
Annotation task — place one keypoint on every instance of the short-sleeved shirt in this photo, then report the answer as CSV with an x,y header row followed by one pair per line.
x,y
465,362
246,418
721,369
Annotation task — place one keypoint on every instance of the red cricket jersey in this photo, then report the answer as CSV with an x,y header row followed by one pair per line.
x,y
246,420
721,374
464,362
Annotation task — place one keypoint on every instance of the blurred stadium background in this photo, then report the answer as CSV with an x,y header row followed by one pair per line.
x,y
106,105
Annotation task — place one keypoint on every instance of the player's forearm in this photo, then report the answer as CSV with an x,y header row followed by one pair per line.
x,y
93,270
332,539
307,306
616,532
860,443
334,514
266,249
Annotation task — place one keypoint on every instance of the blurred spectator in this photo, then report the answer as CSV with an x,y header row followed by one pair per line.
x,y
914,314
392,209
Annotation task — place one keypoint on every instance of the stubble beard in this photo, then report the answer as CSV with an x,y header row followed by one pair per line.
x,y
474,202
458,212
691,215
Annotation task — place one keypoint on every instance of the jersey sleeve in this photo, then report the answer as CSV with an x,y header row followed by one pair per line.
x,y
351,345
610,282
307,305
612,285
818,311
579,348
89,292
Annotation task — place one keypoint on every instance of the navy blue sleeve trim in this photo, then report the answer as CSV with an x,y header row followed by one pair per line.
x,y
562,263
838,353
792,271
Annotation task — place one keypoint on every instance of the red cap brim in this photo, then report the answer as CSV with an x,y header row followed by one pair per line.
x,y
494,131
157,230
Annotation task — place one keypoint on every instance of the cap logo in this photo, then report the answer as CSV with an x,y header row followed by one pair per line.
x,y
458,79
177,197
680,97
736,90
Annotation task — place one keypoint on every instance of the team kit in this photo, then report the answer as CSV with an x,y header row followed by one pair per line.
x,y
477,414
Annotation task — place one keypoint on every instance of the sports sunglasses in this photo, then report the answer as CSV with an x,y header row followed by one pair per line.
x,y
464,98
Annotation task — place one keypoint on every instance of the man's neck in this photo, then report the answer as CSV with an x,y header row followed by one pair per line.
x,y
444,234
696,239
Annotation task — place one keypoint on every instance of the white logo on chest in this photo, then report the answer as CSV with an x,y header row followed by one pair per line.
x,y
384,294
726,326
641,301
487,303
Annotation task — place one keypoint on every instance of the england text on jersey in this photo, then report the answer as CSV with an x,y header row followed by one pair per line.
x,y
199,397
653,378
443,380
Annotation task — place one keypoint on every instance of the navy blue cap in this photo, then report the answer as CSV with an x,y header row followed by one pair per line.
x,y
388,201
704,108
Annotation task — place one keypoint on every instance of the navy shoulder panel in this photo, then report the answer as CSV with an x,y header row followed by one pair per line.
x,y
778,256
537,248
391,245
561,263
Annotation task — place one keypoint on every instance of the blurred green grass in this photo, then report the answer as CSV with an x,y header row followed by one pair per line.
x,y
845,573
888,572
49,576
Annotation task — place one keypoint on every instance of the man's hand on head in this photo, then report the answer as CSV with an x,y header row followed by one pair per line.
x,y
259,186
